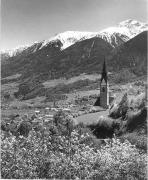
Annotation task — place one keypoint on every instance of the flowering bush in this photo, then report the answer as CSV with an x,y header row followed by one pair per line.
x,y
119,109
50,155
139,139
138,101
126,103
122,161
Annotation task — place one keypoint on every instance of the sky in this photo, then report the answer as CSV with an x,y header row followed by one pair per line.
x,y
26,21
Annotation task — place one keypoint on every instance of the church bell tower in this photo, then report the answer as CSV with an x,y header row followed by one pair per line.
x,y
104,88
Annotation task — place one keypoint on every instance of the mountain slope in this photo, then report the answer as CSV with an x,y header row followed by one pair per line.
x,y
51,61
25,61
83,56
132,54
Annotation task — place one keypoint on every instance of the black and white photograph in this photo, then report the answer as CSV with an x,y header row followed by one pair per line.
x,y
74,89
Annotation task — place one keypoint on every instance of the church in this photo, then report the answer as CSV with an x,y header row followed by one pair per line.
x,y
103,99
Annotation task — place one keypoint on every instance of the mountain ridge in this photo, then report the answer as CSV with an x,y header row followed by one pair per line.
x,y
115,35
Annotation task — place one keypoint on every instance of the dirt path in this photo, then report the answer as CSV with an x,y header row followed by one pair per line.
x,y
91,117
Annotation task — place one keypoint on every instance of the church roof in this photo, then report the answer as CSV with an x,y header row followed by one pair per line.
x,y
104,72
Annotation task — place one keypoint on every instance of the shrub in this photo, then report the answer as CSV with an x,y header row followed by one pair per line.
x,y
114,111
63,122
136,119
139,83
105,127
4,126
13,127
123,161
51,153
119,109
24,128
57,157
24,89
139,140
138,102
6,95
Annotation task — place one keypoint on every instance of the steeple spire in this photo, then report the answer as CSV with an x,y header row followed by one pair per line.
x,y
103,99
104,72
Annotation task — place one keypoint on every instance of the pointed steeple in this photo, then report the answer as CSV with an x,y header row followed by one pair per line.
x,y
104,72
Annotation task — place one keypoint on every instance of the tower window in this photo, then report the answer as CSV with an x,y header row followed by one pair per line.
x,y
103,89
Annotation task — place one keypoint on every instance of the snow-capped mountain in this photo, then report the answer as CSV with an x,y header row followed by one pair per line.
x,y
69,38
125,30
116,36
134,27
5,54
15,51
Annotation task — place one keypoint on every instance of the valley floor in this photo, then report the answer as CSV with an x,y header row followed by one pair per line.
x,y
52,153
